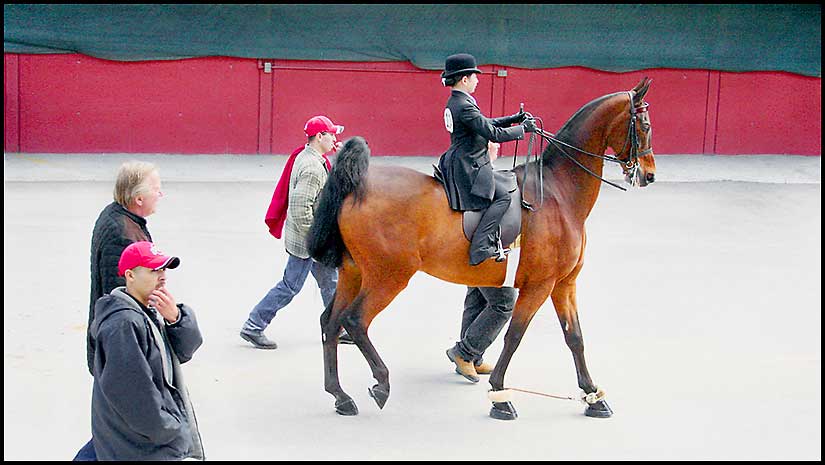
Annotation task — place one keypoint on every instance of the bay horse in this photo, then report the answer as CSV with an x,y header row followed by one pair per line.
x,y
380,225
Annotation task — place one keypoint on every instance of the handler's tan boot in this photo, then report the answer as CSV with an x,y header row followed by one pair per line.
x,y
463,367
484,369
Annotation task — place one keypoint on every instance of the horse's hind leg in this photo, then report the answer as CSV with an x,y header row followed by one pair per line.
x,y
564,299
349,282
374,297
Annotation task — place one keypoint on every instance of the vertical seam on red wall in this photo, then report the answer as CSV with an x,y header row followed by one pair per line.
x,y
716,112
17,103
271,121
492,94
504,94
260,111
265,108
14,104
19,97
711,113
707,104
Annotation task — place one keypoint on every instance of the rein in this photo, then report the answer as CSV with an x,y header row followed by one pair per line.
x,y
540,177
632,162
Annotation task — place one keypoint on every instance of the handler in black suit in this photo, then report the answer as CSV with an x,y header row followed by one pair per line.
x,y
466,166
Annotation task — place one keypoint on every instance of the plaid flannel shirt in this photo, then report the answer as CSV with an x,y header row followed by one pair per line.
x,y
308,177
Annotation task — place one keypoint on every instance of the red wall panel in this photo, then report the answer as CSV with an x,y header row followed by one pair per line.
x,y
75,103
769,113
396,107
677,100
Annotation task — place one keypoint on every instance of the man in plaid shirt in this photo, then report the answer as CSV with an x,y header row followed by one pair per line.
x,y
309,172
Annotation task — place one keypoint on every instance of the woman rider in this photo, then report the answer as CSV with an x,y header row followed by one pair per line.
x,y
466,167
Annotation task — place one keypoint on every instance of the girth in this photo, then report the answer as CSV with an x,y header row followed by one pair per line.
x,y
510,222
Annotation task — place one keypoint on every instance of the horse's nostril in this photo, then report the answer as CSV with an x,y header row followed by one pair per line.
x,y
651,177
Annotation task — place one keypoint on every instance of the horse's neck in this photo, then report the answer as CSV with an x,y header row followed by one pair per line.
x,y
579,188
574,186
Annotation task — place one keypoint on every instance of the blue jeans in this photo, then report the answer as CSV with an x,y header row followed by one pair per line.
x,y
295,274
86,453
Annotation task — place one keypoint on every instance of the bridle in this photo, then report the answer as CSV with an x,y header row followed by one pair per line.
x,y
630,164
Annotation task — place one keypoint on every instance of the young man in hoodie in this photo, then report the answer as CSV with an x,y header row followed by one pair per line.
x,y
141,335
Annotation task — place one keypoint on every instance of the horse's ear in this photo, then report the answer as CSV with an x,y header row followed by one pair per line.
x,y
641,89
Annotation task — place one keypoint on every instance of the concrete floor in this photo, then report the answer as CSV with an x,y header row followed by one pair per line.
x,y
700,303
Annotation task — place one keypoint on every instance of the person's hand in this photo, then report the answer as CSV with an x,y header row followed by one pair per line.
x,y
492,150
520,116
165,304
529,125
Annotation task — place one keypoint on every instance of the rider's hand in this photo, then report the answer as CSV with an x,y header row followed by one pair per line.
x,y
529,125
519,117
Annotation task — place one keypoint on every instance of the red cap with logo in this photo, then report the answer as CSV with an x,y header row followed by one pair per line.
x,y
318,124
144,254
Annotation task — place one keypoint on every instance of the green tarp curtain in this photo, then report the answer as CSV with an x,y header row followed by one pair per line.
x,y
618,38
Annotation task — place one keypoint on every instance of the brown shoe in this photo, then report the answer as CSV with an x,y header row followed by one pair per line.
x,y
463,367
484,369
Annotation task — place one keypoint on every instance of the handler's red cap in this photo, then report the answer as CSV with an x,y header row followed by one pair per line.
x,y
318,124
144,254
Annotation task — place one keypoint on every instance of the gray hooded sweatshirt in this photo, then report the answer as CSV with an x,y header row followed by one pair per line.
x,y
140,405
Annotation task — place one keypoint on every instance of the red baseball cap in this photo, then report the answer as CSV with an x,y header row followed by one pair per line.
x,y
144,254
318,124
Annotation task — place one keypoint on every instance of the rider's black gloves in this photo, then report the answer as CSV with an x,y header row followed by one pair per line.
x,y
529,125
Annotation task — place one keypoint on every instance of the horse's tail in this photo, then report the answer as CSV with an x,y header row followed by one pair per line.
x,y
325,243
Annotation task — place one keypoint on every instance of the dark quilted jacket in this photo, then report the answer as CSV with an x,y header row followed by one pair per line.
x,y
114,230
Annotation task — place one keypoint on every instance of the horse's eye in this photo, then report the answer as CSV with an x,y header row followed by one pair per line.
x,y
646,127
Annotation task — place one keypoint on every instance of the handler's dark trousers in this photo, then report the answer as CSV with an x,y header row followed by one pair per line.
x,y
484,242
486,311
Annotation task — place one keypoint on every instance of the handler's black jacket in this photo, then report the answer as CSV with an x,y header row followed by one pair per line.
x,y
114,230
466,167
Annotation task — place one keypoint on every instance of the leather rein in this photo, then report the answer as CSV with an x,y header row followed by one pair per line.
x,y
631,163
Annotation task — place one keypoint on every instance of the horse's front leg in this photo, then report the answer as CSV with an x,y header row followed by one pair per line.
x,y
564,299
528,302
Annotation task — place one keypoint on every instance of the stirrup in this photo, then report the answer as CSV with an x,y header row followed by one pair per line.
x,y
501,251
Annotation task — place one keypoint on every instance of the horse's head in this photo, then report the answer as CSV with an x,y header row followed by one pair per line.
x,y
632,142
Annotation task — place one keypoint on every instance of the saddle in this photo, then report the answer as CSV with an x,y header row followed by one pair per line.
x,y
511,221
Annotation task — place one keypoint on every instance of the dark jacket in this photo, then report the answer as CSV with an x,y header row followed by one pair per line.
x,y
140,405
466,167
114,230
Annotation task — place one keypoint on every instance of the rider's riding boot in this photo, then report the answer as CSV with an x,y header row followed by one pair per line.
x,y
492,249
480,254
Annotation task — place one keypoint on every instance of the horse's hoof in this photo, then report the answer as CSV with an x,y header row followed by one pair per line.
x,y
599,410
346,407
380,394
503,411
